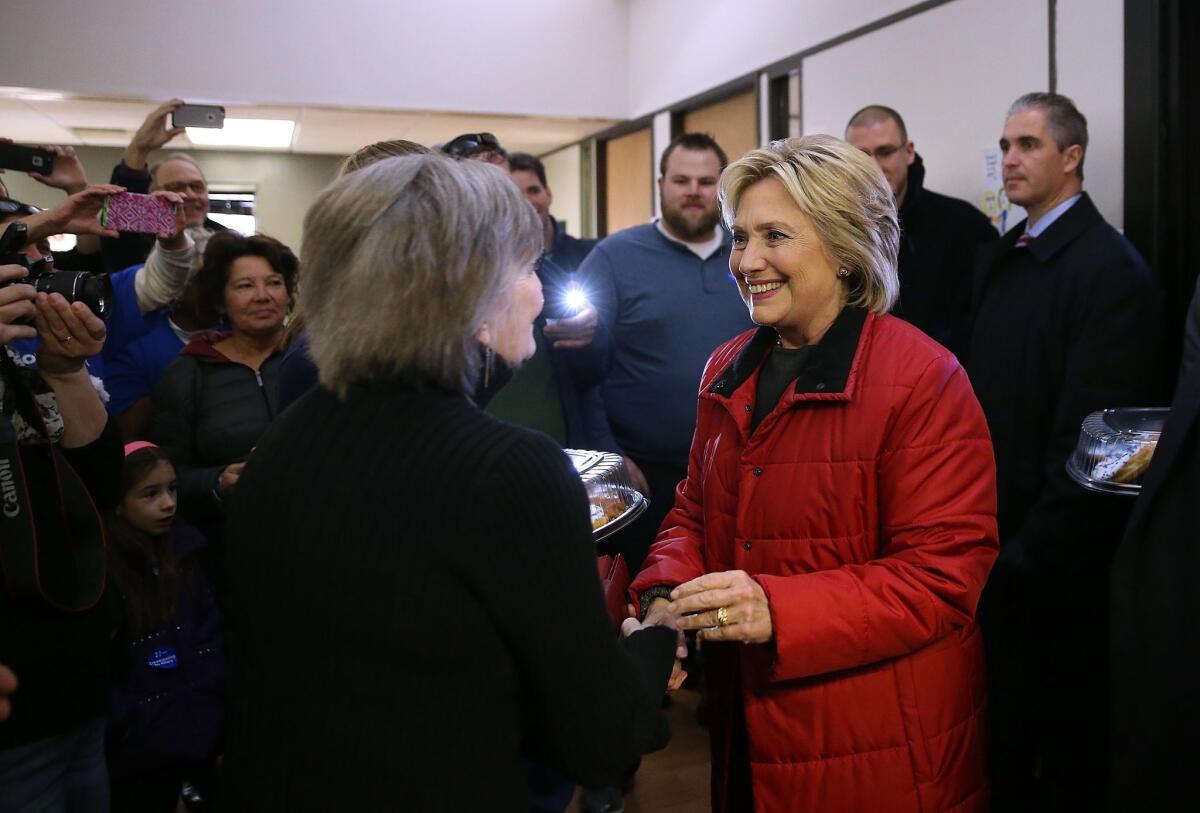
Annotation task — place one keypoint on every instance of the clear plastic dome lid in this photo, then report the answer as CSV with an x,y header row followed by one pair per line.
x,y
1115,447
613,499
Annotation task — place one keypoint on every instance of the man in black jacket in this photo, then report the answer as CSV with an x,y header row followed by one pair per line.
x,y
938,234
1066,322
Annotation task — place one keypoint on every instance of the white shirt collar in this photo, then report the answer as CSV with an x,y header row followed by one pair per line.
x,y
1045,221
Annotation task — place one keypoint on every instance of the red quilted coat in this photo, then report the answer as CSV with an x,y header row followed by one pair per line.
x,y
864,504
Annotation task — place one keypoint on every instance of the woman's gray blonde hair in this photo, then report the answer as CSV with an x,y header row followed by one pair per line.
x,y
402,261
845,195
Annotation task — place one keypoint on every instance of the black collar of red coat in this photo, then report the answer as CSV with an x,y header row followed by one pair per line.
x,y
828,367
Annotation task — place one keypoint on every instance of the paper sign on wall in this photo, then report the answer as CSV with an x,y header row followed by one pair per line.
x,y
1003,213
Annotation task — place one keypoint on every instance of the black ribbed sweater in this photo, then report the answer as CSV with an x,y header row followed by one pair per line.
x,y
415,606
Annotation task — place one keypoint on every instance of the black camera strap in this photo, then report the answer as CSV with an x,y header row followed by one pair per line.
x,y
51,546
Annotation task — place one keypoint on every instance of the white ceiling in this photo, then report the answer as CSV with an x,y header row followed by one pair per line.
x,y
33,116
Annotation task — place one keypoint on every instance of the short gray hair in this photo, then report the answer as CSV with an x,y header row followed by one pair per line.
x,y
403,260
1066,124
175,156
844,194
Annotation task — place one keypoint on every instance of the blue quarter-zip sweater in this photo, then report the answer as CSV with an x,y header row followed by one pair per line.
x,y
663,311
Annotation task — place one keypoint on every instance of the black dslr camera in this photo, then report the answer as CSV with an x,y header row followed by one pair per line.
x,y
93,290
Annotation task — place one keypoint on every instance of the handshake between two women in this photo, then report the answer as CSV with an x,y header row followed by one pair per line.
x,y
725,606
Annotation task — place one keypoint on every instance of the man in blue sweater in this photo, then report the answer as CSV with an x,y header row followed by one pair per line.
x,y
665,302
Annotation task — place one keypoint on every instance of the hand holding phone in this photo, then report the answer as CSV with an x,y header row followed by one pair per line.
x,y
26,159
211,116
131,212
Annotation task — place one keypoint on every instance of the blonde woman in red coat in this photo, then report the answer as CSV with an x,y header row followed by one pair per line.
x,y
837,522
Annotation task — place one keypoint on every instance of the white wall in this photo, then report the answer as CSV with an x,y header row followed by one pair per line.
x,y
285,185
564,174
953,96
679,48
951,71
1091,70
529,57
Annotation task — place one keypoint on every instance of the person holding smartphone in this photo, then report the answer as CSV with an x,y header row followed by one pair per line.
x,y
178,173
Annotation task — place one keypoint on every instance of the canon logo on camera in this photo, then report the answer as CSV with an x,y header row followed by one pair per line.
x,y
8,490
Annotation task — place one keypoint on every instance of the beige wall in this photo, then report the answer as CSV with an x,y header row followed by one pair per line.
x,y
284,184
564,176
733,122
629,199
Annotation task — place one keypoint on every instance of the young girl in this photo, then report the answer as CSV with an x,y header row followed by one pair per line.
x,y
167,714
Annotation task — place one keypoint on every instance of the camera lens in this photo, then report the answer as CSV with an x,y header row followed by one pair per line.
x,y
78,286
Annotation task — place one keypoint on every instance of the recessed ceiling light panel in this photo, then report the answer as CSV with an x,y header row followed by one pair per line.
x,y
275,134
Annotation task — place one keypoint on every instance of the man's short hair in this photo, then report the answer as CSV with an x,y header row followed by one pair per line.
x,y
525,161
873,114
692,141
1066,124
175,156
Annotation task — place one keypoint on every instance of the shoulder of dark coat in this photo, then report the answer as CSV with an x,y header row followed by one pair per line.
x,y
1103,253
957,210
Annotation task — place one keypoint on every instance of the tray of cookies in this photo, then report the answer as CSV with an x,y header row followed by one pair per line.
x,y
612,498
1115,448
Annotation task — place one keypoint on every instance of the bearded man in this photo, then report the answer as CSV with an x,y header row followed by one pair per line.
x,y
665,302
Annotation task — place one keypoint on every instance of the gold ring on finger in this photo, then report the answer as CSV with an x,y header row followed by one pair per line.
x,y
67,338
722,616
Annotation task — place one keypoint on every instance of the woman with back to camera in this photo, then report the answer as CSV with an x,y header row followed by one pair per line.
x,y
297,373
837,522
414,581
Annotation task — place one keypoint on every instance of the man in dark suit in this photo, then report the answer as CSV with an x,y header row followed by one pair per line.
x,y
1155,607
939,235
1066,322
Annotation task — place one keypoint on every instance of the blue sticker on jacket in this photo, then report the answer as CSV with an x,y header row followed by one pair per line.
x,y
163,658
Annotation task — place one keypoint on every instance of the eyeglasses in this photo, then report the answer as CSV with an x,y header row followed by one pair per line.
x,y
469,144
8,206
884,152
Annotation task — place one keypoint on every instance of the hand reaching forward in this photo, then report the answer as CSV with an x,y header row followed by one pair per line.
x,y
78,214
68,174
746,615
657,616
228,480
153,134
574,331
173,240
70,334
17,307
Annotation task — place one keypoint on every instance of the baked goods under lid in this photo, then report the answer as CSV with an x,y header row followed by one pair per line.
x,y
1115,447
613,499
